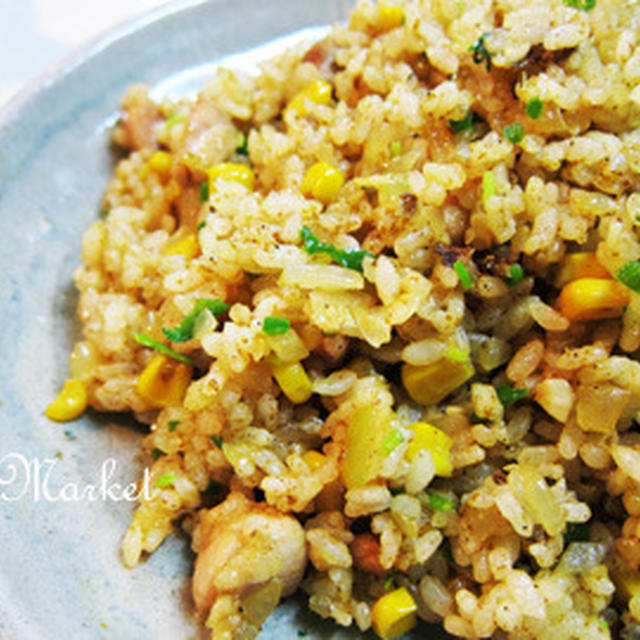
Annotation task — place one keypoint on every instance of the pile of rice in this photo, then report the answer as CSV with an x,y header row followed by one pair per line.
x,y
468,222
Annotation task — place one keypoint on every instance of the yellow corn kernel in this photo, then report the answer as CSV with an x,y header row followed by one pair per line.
x,y
389,16
233,172
580,265
70,403
394,614
160,162
322,181
434,440
164,381
293,381
314,459
187,246
431,383
319,92
592,299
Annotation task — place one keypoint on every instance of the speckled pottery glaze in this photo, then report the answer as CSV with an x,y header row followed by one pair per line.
x,y
60,573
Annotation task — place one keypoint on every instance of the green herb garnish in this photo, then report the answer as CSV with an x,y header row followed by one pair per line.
x,y
581,5
242,144
166,480
105,213
514,132
488,187
217,440
510,395
147,341
438,502
463,275
391,442
516,273
173,425
480,52
184,331
390,579
467,123
273,326
204,191
174,119
157,453
201,225
395,148
534,108
629,275
352,259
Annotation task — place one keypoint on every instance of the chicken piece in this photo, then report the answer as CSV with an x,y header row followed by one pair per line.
x,y
249,555
139,117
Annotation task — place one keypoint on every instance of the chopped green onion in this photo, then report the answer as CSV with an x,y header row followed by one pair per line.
x,y
463,275
514,132
352,259
242,144
166,480
173,424
157,453
604,624
105,212
480,52
390,579
395,148
458,126
174,119
217,440
488,187
456,354
516,273
204,191
581,5
184,331
391,442
201,225
534,108
510,395
273,326
438,502
629,275
147,341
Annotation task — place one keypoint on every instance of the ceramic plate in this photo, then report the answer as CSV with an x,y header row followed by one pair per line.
x,y
60,574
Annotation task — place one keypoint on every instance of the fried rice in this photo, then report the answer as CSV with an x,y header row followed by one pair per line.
x,y
378,305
